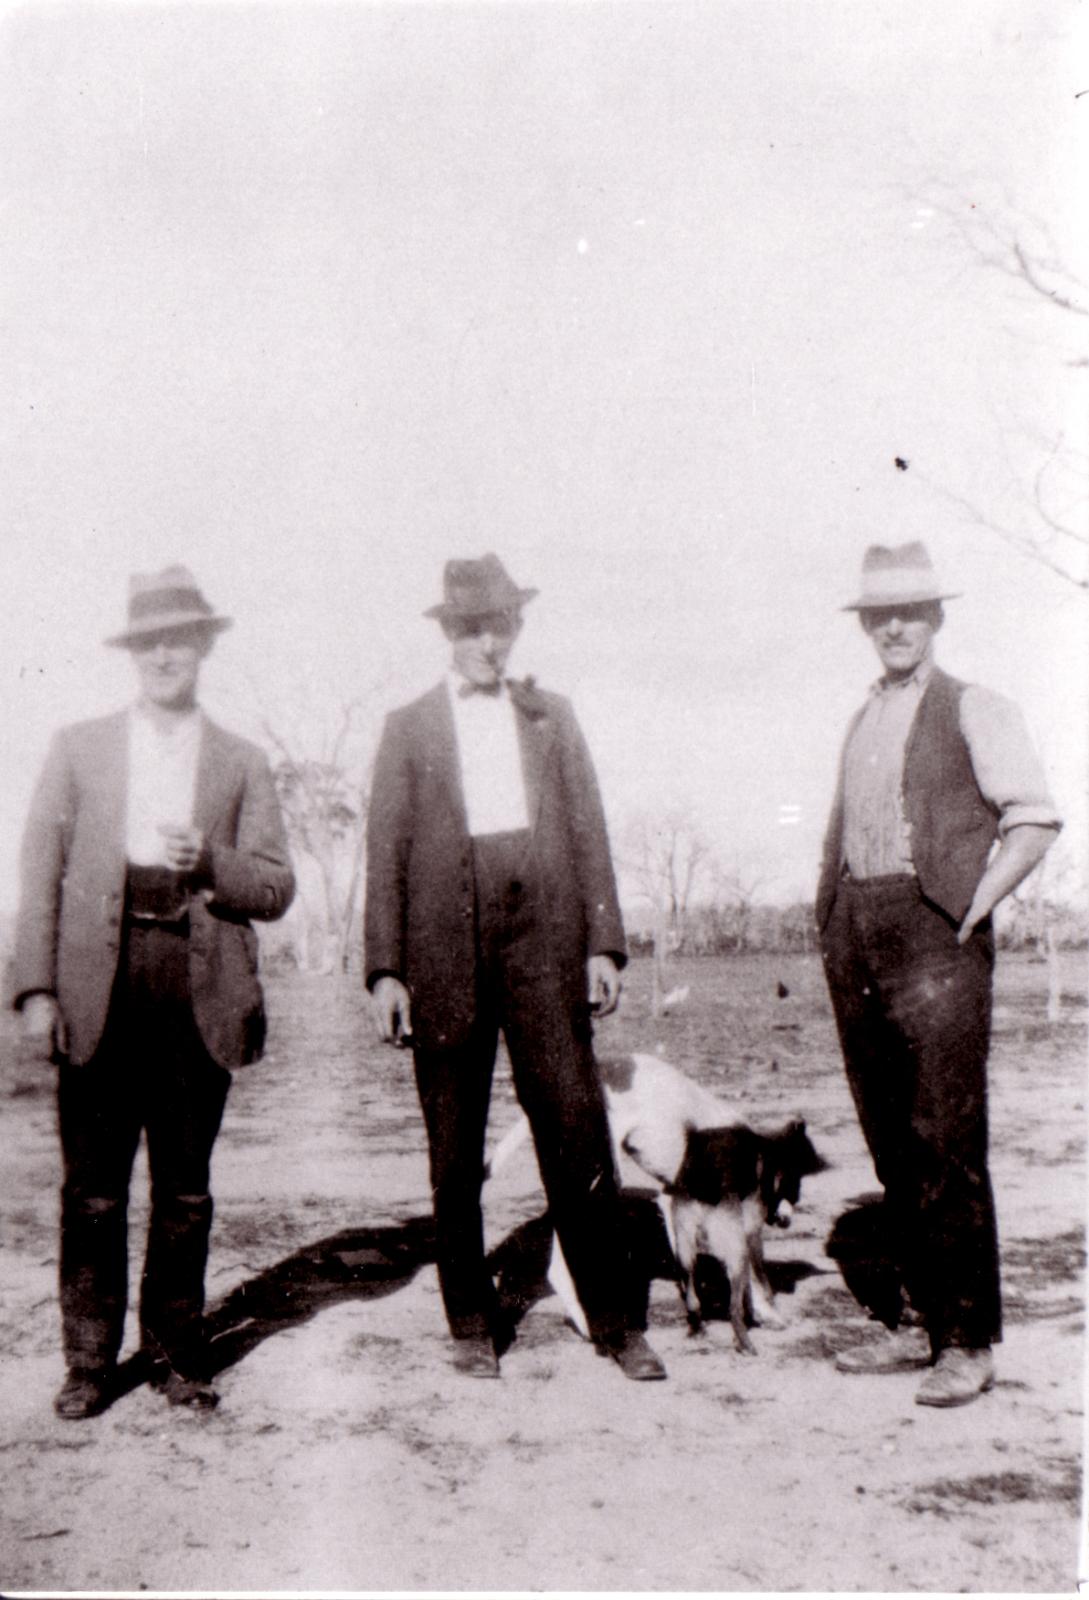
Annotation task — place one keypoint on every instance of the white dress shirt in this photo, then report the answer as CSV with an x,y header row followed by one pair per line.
x,y
162,783
492,782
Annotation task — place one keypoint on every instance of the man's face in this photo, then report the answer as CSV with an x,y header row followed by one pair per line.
x,y
482,644
902,635
168,666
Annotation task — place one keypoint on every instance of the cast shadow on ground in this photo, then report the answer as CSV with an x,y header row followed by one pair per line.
x,y
520,1264
354,1264
860,1244
365,1263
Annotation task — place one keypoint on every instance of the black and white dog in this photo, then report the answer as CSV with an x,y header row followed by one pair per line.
x,y
721,1180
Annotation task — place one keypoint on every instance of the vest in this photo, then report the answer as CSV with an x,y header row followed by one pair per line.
x,y
951,826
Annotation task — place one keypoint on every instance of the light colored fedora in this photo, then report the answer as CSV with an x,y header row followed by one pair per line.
x,y
475,588
166,599
898,575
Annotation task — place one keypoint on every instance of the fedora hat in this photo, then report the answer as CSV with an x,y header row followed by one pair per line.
x,y
166,599
474,588
898,575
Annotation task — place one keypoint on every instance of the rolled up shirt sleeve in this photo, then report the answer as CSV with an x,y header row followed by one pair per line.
x,y
1007,768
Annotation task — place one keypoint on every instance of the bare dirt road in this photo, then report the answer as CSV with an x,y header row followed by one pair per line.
x,y
346,1454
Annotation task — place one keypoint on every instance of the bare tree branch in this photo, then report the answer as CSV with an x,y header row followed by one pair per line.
x,y
1020,248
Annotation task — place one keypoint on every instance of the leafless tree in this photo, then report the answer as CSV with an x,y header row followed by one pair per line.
x,y
324,800
664,855
732,901
1054,527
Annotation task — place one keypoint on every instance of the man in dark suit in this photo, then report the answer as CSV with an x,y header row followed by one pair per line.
x,y
942,809
153,839
491,905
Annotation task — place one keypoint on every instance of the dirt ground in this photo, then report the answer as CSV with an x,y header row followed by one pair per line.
x,y
346,1455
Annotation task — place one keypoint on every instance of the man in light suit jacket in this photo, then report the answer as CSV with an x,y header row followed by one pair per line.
x,y
491,906
153,839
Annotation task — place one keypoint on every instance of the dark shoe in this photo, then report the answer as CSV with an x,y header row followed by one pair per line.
x,y
191,1392
957,1377
475,1358
903,1350
84,1394
633,1356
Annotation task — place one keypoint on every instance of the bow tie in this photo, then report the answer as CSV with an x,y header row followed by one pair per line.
x,y
491,691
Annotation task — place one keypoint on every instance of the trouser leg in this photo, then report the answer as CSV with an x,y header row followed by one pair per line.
x,y
941,1003
99,1131
880,1077
548,1034
555,1083
184,1114
913,1010
454,1087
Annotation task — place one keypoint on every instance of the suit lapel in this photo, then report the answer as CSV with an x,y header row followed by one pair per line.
x,y
441,749
536,731
111,780
215,776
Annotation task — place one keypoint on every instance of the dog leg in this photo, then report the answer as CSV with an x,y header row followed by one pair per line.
x,y
727,1242
687,1226
665,1209
563,1286
515,1136
764,1313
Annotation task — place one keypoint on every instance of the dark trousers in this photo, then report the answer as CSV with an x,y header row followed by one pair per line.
x,y
150,1073
548,1038
913,1010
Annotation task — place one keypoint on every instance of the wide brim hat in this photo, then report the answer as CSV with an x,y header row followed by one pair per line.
x,y
474,588
167,599
899,575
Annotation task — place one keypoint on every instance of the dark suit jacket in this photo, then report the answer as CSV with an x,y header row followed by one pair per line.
x,y
420,896
68,933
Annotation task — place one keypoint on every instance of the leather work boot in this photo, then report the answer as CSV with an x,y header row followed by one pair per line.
x,y
902,1350
957,1377
193,1393
475,1358
85,1393
634,1356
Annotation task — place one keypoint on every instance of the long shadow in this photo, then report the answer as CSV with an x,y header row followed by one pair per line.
x,y
365,1263
355,1264
861,1245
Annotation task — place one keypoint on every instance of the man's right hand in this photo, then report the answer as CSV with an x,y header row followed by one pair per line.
x,y
391,1008
44,1033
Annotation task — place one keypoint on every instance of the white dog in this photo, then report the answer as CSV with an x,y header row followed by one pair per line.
x,y
720,1181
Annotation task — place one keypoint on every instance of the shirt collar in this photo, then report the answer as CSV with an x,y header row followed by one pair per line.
x,y
184,727
918,680
455,683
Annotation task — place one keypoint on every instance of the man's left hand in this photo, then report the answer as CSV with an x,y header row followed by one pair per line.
x,y
183,847
603,983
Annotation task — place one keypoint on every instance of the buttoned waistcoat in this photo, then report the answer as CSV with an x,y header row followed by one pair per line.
x,y
419,916
69,927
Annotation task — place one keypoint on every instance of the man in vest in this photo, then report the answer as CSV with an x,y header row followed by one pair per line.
x,y
492,907
935,773
154,838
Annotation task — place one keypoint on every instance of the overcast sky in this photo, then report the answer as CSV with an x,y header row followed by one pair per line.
x,y
647,298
